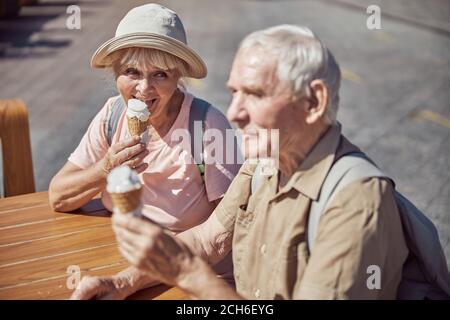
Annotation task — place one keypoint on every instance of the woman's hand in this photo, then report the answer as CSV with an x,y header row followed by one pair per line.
x,y
152,249
129,152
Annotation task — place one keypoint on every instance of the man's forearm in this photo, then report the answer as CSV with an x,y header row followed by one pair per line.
x,y
210,240
200,281
132,280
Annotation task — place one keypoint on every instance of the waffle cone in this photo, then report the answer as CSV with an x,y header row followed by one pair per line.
x,y
127,201
136,127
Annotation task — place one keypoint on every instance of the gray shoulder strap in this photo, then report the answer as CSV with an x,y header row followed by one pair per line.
x,y
347,169
197,116
113,117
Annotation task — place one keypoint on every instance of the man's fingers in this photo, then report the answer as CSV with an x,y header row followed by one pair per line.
x,y
87,289
135,225
127,253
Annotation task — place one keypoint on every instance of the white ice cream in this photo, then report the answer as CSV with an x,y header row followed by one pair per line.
x,y
137,108
122,179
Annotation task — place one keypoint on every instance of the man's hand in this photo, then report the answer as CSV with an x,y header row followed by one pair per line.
x,y
101,288
152,249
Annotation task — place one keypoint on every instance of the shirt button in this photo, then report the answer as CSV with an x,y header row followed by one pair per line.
x,y
263,249
257,293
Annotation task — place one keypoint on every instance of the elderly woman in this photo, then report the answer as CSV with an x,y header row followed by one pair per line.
x,y
149,57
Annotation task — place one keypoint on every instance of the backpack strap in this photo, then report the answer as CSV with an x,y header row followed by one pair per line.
x,y
197,117
112,118
347,169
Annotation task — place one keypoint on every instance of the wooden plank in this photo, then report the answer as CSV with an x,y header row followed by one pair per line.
x,y
58,289
24,201
39,213
54,288
50,227
28,215
56,244
51,266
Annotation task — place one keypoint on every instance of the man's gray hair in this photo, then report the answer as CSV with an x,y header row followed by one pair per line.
x,y
302,58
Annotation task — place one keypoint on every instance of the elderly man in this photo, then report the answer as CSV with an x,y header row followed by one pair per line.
x,y
282,78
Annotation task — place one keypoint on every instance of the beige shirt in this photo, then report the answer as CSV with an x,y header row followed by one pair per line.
x,y
359,229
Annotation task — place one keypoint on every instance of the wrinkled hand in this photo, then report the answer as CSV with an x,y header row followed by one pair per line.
x,y
101,288
129,152
152,249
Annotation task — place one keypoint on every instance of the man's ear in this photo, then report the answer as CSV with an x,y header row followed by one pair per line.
x,y
318,102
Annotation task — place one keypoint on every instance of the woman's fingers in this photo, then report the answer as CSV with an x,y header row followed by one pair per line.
x,y
121,145
141,168
136,160
130,152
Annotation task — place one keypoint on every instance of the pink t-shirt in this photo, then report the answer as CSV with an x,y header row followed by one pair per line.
x,y
174,194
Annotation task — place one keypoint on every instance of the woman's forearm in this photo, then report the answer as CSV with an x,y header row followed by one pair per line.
x,y
70,190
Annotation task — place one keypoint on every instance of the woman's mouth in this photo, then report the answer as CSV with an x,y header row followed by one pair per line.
x,y
149,102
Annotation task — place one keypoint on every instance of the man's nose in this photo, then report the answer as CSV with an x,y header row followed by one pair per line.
x,y
237,111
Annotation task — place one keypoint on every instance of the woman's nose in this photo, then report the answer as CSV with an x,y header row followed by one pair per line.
x,y
144,86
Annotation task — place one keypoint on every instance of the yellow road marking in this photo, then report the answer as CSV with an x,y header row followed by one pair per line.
x,y
384,36
351,76
432,116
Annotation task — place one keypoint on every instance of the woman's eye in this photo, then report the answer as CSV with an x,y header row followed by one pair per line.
x,y
161,75
131,71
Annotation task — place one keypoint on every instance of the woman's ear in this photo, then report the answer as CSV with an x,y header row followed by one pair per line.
x,y
318,101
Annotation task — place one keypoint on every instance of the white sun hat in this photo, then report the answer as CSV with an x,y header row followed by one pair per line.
x,y
151,26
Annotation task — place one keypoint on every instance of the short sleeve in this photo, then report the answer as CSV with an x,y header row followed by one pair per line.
x,y
236,198
222,157
360,232
93,146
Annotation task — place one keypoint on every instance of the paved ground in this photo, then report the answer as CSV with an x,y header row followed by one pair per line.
x,y
394,94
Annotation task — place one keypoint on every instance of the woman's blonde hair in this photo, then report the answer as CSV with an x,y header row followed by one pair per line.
x,y
143,58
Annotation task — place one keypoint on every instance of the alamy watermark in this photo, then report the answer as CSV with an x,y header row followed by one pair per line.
x,y
374,280
73,22
227,147
373,21
74,277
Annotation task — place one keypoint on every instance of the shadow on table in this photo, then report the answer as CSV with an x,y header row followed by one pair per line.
x,y
94,207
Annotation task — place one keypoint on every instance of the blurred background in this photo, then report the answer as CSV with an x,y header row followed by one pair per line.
x,y
394,97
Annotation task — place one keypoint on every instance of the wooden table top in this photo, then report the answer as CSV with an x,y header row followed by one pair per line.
x,y
38,245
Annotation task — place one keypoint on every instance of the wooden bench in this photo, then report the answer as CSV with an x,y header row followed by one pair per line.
x,y
18,175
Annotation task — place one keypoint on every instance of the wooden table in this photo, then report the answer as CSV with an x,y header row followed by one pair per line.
x,y
38,245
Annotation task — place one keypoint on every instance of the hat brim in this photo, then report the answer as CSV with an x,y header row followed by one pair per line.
x,y
197,68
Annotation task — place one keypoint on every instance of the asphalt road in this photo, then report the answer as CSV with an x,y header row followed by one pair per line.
x,y
394,97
